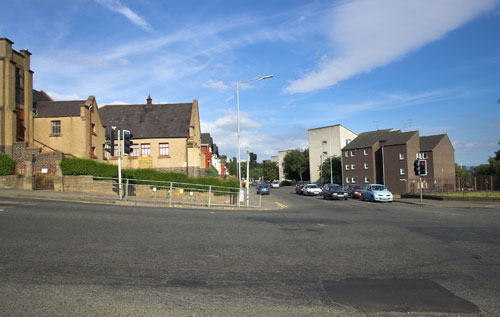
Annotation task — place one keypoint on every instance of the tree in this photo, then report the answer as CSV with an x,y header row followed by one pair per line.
x,y
295,164
462,175
271,171
336,168
232,166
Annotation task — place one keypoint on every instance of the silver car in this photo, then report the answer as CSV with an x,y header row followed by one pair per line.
x,y
311,190
376,192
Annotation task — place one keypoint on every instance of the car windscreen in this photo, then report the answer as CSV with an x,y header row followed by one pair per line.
x,y
335,187
378,187
312,186
358,187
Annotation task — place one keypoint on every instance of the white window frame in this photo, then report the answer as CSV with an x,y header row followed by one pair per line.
x,y
366,166
353,180
365,152
353,167
347,180
165,150
401,156
135,150
367,179
346,153
145,149
352,153
347,167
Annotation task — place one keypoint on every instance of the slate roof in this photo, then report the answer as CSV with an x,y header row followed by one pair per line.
x,y
206,139
367,139
149,121
399,138
428,143
40,96
46,109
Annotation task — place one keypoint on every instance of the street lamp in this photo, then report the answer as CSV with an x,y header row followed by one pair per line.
x,y
238,120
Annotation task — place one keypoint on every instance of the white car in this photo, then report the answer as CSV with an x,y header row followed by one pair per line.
x,y
311,190
275,184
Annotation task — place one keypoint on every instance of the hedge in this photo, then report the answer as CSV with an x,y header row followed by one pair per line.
x,y
7,165
78,166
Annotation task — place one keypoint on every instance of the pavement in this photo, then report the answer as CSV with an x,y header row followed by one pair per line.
x,y
268,201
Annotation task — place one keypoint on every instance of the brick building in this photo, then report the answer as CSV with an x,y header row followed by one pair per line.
x,y
387,157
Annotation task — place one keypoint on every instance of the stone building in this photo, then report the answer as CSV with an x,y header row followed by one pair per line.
x,y
166,137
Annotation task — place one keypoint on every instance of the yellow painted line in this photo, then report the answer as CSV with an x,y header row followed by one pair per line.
x,y
280,204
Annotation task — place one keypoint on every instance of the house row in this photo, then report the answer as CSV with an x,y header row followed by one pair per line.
x,y
166,136
387,157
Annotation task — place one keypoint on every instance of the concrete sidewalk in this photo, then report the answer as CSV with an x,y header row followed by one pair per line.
x,y
267,203
469,204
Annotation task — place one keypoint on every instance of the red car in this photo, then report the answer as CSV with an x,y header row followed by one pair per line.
x,y
354,190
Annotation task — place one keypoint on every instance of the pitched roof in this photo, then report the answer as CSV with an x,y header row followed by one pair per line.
x,y
40,96
206,138
428,143
149,121
58,108
399,138
367,139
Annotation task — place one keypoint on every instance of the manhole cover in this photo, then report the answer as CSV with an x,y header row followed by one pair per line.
x,y
396,295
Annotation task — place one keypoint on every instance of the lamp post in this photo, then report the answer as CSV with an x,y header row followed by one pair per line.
x,y
238,121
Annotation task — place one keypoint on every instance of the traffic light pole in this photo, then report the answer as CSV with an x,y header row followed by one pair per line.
x,y
119,166
248,178
421,189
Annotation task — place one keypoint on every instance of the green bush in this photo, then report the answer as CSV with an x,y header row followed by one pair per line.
x,y
78,166
212,171
7,165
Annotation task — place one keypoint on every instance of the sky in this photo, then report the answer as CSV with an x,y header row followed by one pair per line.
x,y
426,65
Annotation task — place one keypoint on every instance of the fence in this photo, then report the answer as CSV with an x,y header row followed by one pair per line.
x,y
471,186
170,193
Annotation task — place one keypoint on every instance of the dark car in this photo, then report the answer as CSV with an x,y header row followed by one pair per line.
x,y
334,191
299,188
354,190
263,189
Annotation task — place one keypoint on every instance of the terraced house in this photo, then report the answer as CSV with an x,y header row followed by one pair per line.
x,y
387,157
166,137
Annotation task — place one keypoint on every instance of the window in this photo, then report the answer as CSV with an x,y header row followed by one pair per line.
x,y
352,153
325,153
353,180
353,166
346,154
93,128
164,149
324,143
365,152
135,150
146,149
93,152
367,180
56,127
401,156
402,171
347,141
366,166
347,167
347,180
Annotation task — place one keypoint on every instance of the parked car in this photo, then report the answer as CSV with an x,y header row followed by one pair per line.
x,y
334,191
263,189
354,190
311,190
376,192
275,184
299,188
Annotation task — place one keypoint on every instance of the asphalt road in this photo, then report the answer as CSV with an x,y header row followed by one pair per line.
x,y
316,257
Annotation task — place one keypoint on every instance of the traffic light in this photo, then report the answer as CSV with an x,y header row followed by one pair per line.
x,y
416,168
111,143
253,160
127,142
422,167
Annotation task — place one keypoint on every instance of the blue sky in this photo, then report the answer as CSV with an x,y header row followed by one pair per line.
x,y
426,65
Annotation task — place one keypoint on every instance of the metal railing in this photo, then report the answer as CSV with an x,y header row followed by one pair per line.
x,y
166,193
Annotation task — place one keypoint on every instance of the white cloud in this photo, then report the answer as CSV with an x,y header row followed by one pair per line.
x,y
216,85
472,144
116,6
58,97
368,34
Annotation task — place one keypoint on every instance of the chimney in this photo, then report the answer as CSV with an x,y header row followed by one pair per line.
x,y
150,101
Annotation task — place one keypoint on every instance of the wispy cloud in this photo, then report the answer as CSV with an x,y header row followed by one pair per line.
x,y
367,34
117,6
58,97
216,85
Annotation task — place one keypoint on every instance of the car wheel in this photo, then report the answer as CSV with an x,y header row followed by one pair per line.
x,y
363,197
345,198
